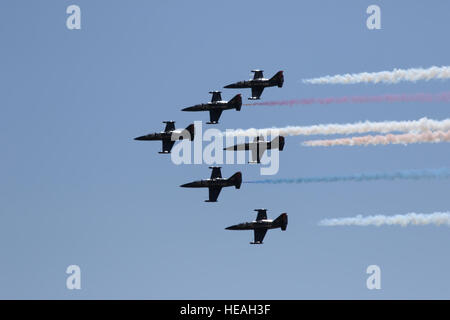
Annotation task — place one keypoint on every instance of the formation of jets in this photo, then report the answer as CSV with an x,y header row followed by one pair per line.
x,y
216,182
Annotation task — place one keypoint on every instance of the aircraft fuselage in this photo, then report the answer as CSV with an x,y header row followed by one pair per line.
x,y
169,135
209,183
218,105
156,136
253,83
262,224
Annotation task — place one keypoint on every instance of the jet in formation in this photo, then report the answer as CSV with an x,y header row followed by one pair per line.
x,y
261,225
258,147
216,183
216,106
258,83
169,136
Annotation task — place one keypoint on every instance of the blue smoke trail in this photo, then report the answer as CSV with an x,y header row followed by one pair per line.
x,y
442,173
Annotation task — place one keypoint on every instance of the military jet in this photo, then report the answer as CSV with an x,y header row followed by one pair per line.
x,y
216,183
216,106
258,147
169,136
258,83
261,225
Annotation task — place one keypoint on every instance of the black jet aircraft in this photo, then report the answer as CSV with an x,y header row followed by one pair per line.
x,y
258,83
216,106
216,183
258,147
262,224
169,136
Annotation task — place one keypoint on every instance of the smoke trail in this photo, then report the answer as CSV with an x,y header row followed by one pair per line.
x,y
425,137
386,98
418,219
420,125
394,76
443,173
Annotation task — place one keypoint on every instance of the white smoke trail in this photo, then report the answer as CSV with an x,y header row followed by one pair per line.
x,y
425,137
418,219
423,124
397,75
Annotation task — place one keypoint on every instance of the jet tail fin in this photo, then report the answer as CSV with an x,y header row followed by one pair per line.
x,y
281,221
277,142
191,130
277,79
236,179
236,102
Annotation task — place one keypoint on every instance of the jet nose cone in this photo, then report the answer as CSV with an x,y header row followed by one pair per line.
x,y
187,185
140,138
230,86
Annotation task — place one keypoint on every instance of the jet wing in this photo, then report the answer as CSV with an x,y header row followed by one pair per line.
x,y
256,92
170,126
258,150
258,74
216,173
214,115
214,194
167,145
259,235
216,96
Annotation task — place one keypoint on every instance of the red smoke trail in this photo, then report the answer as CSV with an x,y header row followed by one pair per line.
x,y
416,97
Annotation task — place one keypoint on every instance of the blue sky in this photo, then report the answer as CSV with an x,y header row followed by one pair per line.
x,y
76,189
